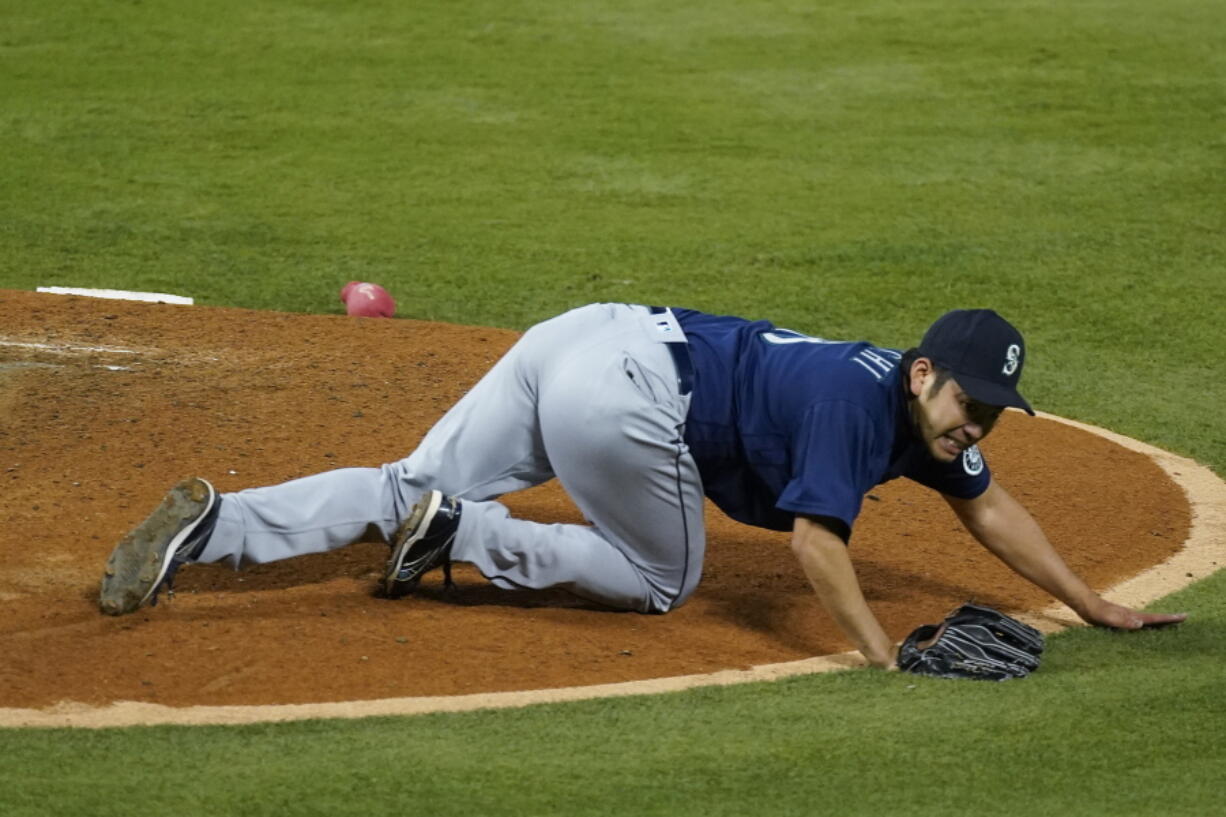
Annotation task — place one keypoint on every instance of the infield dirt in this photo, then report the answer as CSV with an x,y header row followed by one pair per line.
x,y
105,404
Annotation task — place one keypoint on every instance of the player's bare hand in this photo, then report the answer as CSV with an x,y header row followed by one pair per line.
x,y
1118,617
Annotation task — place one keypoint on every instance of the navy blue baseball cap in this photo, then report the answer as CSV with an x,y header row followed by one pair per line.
x,y
984,352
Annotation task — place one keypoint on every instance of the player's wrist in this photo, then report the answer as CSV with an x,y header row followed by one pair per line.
x,y
1088,606
882,657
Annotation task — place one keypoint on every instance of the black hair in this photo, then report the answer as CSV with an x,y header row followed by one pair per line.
x,y
908,359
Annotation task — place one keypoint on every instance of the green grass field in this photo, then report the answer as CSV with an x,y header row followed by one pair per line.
x,y
850,169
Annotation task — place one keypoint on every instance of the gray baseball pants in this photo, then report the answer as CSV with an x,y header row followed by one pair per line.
x,y
590,397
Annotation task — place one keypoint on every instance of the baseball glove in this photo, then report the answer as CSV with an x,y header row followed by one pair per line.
x,y
973,642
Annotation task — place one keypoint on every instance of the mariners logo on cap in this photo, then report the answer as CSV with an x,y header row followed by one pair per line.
x,y
1013,358
972,461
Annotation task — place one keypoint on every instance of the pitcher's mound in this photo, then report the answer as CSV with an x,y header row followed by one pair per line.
x,y
104,405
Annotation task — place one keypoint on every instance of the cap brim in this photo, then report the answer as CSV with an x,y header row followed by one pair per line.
x,y
993,394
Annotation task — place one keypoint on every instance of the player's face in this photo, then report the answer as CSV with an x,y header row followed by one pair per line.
x,y
946,419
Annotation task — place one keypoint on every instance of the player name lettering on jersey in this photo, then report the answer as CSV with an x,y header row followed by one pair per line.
x,y
878,362
782,337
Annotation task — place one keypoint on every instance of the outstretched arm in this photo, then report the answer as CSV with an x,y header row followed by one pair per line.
x,y
823,557
1003,526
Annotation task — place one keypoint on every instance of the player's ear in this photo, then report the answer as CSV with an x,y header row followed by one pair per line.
x,y
921,367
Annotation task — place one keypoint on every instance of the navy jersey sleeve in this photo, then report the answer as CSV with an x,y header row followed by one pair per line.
x,y
966,477
834,458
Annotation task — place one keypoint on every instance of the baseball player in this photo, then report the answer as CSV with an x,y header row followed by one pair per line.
x,y
639,412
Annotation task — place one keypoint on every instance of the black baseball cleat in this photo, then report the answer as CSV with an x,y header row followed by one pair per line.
x,y
147,558
423,543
